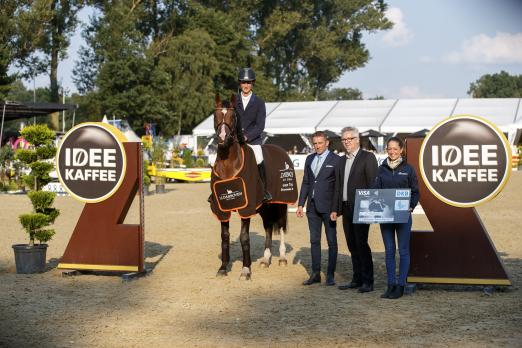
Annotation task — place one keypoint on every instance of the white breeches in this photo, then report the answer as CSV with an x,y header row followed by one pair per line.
x,y
258,152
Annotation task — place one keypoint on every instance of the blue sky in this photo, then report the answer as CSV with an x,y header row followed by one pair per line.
x,y
435,50
438,47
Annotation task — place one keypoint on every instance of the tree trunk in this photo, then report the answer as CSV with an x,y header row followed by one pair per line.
x,y
55,47
179,125
55,98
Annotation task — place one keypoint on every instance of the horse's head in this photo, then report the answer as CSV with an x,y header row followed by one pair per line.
x,y
225,121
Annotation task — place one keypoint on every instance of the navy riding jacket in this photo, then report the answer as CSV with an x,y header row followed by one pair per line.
x,y
252,118
403,176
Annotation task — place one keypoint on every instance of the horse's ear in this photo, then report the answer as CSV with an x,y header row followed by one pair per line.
x,y
233,100
218,100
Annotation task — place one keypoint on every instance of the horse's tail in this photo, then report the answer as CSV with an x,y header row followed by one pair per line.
x,y
275,217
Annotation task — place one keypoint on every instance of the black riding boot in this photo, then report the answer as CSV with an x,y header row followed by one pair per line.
x,y
389,290
262,174
397,292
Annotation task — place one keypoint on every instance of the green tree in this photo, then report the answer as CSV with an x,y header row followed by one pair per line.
x,y
307,45
128,86
162,61
20,93
20,30
341,94
191,66
60,18
500,85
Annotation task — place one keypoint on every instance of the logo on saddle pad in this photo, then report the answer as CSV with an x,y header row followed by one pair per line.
x,y
230,194
286,177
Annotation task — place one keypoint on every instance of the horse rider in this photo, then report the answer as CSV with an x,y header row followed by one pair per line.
x,y
252,115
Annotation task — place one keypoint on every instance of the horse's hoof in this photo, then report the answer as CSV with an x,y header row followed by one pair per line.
x,y
283,262
264,264
221,273
245,273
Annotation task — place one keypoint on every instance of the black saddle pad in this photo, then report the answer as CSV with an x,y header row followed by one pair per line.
x,y
281,181
230,194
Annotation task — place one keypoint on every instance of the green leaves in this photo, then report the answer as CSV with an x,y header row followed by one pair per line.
x,y
38,158
307,45
34,223
500,85
26,156
41,200
38,134
162,61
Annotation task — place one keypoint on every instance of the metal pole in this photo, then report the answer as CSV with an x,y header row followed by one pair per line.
x,y
2,128
63,112
34,96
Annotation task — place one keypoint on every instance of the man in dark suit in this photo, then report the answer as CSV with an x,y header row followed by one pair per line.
x,y
252,116
317,188
356,170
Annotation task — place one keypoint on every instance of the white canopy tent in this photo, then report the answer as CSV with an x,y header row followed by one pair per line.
x,y
386,116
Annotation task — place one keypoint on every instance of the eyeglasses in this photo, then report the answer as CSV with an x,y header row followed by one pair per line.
x,y
348,139
245,82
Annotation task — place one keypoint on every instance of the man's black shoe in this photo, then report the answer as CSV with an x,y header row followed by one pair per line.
x,y
350,285
314,278
366,288
330,281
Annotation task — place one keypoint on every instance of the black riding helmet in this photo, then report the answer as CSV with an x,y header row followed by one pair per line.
x,y
246,74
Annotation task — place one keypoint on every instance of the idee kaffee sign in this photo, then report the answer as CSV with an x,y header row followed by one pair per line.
x,y
464,161
97,166
91,161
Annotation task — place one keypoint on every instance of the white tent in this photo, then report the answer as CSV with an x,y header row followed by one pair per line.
x,y
124,127
387,116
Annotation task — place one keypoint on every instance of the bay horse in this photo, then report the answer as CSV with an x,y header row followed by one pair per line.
x,y
231,156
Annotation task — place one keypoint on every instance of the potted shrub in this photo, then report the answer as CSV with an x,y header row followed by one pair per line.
x,y
186,154
31,258
146,184
146,177
158,151
6,157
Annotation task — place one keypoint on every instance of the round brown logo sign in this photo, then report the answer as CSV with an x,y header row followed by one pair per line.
x,y
465,161
91,161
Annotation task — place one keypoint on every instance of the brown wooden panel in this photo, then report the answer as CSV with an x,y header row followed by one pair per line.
x,y
100,240
459,249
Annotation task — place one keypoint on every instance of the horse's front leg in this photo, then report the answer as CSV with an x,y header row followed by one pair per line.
x,y
225,248
244,237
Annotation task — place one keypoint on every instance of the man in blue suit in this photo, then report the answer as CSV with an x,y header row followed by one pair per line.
x,y
318,188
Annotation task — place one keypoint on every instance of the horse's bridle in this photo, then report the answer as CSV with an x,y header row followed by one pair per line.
x,y
232,127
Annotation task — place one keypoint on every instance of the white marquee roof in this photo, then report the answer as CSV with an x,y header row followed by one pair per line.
x,y
387,116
